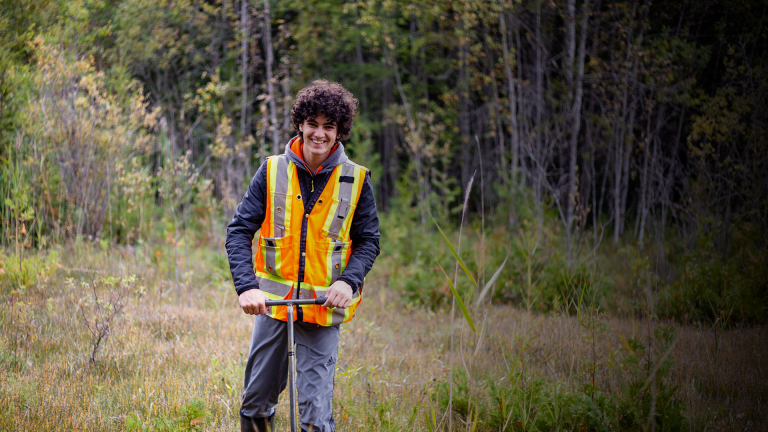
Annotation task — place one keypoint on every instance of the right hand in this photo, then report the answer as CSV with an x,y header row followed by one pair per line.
x,y
252,302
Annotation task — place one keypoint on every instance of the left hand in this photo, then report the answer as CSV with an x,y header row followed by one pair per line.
x,y
339,295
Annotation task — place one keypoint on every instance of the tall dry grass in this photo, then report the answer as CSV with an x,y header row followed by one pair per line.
x,y
170,365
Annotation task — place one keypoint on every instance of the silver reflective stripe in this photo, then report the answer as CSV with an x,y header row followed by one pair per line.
x,y
336,256
337,317
310,294
273,287
281,191
345,199
270,256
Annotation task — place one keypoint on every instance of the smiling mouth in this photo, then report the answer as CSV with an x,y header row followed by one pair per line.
x,y
319,142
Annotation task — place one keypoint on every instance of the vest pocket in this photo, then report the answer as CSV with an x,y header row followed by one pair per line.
x,y
338,252
344,211
326,259
277,255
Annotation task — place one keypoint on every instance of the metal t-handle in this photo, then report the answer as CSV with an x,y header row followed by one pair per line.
x,y
292,302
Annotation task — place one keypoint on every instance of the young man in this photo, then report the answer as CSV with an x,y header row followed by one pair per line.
x,y
319,237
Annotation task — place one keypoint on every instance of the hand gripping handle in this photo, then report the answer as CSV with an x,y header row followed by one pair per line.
x,y
317,301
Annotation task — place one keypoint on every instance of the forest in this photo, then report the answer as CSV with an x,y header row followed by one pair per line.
x,y
594,172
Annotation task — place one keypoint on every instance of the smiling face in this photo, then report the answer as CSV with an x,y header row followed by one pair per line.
x,y
319,135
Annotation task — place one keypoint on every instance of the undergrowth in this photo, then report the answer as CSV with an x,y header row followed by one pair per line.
x,y
172,356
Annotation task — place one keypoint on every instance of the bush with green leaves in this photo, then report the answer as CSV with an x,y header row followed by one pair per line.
x,y
712,287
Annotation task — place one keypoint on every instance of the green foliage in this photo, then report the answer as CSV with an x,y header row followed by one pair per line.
x,y
520,401
647,395
410,252
710,287
361,149
189,418
25,272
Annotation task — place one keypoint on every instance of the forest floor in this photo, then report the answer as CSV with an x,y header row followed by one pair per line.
x,y
175,360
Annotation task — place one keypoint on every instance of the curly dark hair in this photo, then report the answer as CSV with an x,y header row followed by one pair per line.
x,y
329,98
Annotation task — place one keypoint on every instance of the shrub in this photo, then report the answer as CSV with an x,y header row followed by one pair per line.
x,y
710,286
99,308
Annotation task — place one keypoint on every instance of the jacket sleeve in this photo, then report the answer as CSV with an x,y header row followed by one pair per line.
x,y
247,221
364,234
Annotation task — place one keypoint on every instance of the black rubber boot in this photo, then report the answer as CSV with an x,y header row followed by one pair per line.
x,y
257,424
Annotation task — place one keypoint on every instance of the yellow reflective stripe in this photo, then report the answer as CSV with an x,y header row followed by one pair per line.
x,y
329,265
359,177
344,252
290,195
334,178
272,174
275,288
280,190
321,290
339,316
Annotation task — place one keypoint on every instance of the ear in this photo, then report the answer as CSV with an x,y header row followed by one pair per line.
x,y
300,127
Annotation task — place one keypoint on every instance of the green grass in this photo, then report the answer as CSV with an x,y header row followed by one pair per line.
x,y
176,363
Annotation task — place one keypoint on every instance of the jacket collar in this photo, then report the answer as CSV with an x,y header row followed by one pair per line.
x,y
336,158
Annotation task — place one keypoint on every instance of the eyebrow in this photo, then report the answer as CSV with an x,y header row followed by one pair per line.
x,y
329,122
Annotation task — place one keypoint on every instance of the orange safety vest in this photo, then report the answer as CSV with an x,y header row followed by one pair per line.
x,y
327,248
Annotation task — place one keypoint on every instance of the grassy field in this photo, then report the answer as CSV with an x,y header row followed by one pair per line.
x,y
172,358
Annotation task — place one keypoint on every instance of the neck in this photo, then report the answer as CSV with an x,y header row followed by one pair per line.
x,y
313,161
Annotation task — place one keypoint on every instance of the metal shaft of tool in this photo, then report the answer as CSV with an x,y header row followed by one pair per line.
x,y
291,354
291,367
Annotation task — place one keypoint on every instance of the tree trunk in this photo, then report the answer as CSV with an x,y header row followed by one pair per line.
x,y
494,96
525,132
650,173
360,63
244,65
464,126
634,94
514,131
622,132
270,85
576,111
286,129
538,151
641,205
570,56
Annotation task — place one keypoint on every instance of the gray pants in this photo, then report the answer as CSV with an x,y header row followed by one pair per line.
x,y
266,373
